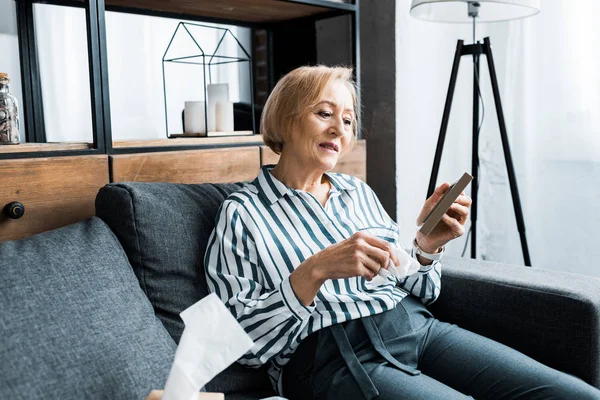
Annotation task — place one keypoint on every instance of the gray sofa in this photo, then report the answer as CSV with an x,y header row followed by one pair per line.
x,y
91,310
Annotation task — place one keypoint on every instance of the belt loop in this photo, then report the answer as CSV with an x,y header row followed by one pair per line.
x,y
356,369
375,338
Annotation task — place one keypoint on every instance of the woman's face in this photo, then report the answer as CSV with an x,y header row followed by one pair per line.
x,y
321,136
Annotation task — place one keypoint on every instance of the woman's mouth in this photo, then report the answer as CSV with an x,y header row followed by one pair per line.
x,y
330,146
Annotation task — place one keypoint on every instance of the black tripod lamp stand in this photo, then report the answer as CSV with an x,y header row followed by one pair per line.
x,y
472,12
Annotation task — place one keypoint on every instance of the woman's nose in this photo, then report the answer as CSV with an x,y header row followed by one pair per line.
x,y
337,128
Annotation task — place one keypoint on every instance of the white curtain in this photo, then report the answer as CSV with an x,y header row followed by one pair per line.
x,y
135,46
61,42
547,68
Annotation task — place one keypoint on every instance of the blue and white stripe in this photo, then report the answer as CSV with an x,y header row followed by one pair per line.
x,y
266,230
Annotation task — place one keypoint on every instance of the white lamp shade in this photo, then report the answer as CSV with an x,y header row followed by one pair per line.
x,y
489,11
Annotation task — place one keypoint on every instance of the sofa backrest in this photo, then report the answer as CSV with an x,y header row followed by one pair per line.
x,y
164,229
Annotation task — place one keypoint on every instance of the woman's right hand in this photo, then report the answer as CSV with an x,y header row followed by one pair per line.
x,y
360,255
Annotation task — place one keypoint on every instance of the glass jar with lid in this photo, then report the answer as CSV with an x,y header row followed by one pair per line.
x,y
9,113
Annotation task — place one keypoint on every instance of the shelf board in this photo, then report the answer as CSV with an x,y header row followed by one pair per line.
x,y
189,141
249,11
34,147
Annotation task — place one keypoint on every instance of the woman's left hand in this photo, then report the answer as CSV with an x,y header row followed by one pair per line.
x,y
452,224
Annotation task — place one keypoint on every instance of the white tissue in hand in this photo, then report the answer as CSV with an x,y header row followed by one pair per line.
x,y
211,341
408,265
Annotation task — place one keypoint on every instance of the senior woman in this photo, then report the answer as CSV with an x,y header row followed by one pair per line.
x,y
294,255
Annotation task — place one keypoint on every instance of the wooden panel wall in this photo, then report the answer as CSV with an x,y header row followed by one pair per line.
x,y
190,166
54,191
353,163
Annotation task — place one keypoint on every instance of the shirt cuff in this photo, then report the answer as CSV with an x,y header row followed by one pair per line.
x,y
293,303
427,268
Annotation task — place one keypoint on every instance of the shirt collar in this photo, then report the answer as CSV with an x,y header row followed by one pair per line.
x,y
272,189
340,182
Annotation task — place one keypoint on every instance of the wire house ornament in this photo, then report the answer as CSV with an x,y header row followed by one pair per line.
x,y
207,59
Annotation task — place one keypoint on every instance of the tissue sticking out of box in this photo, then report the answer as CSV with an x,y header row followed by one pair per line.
x,y
211,341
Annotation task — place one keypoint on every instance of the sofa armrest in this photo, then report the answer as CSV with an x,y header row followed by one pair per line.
x,y
549,315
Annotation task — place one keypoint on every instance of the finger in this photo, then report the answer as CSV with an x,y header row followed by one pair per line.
x,y
439,191
386,247
381,257
456,228
464,200
459,210
460,215
155,395
365,240
432,201
370,267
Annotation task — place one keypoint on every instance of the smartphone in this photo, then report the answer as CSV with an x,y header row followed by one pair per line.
x,y
438,211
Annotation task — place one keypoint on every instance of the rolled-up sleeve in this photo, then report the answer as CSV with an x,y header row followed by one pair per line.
x,y
269,312
426,283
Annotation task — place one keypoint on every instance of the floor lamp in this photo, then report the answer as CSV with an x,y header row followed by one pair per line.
x,y
465,11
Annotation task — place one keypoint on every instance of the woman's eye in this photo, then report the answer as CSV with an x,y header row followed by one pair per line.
x,y
325,114
348,122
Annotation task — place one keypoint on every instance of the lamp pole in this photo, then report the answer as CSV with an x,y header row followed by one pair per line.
x,y
475,154
473,11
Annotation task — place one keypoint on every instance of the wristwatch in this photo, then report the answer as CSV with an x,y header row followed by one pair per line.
x,y
433,257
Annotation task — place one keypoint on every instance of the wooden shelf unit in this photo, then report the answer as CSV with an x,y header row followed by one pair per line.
x,y
190,141
35,147
289,24
249,11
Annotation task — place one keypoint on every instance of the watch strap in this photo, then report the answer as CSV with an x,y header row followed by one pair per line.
x,y
433,257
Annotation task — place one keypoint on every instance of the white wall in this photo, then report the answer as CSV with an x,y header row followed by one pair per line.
x,y
547,70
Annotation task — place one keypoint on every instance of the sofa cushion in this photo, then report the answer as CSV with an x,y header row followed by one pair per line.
x,y
75,324
164,229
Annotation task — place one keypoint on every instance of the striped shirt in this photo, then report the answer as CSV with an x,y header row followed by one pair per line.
x,y
266,230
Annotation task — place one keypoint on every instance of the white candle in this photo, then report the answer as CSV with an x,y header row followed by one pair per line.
x,y
194,118
224,116
215,92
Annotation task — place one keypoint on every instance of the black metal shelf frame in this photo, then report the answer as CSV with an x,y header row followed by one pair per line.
x,y
98,64
32,90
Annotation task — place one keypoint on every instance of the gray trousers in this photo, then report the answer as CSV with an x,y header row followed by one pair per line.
x,y
406,353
